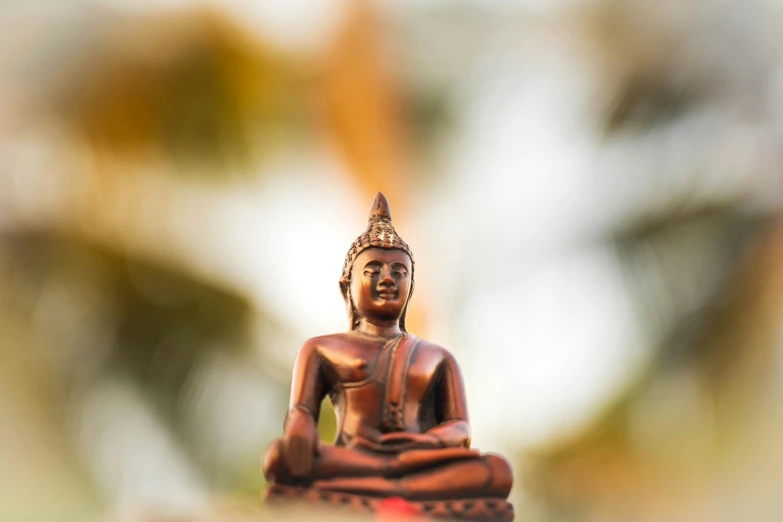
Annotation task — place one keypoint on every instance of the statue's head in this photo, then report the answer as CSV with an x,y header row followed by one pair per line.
x,y
377,275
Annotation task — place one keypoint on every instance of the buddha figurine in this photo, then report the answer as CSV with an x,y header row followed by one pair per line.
x,y
403,428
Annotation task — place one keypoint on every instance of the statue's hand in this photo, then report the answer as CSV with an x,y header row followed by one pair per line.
x,y
411,440
300,444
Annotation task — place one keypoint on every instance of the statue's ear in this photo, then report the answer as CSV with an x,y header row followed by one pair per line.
x,y
344,287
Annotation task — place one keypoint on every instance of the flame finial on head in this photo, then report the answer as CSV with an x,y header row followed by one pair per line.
x,y
379,234
379,209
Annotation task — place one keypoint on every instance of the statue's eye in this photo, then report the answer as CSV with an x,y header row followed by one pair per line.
x,y
401,273
370,273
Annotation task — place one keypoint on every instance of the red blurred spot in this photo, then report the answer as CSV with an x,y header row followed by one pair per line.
x,y
396,508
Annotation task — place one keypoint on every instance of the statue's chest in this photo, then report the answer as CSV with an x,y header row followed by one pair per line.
x,y
353,367
422,374
359,369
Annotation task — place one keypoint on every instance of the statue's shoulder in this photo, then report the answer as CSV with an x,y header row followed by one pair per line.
x,y
434,349
325,342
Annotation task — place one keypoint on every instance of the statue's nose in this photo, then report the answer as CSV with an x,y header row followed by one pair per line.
x,y
386,278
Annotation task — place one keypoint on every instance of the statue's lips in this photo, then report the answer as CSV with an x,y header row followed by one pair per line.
x,y
387,295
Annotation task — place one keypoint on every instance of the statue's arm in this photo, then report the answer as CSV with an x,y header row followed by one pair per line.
x,y
308,386
451,410
308,389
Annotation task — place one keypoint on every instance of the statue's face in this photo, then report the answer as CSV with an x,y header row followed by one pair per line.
x,y
381,283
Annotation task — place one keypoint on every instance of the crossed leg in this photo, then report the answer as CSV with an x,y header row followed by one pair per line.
x,y
423,474
485,476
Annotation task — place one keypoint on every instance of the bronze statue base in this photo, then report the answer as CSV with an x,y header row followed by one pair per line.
x,y
465,509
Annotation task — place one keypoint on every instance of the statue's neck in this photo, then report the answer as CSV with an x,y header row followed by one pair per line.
x,y
387,329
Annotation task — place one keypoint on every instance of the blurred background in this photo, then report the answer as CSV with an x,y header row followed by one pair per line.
x,y
592,190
